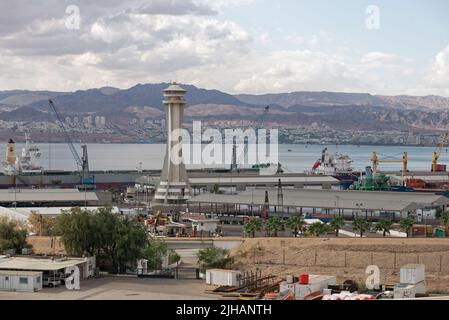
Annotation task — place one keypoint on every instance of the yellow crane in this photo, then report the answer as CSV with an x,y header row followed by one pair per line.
x,y
437,153
376,161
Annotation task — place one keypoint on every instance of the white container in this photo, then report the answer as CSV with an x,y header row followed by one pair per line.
x,y
412,274
404,291
420,288
290,278
221,277
284,286
316,283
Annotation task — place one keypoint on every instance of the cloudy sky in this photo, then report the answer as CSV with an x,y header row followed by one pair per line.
x,y
251,46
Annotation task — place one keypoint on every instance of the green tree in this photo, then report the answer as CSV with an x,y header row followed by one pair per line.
x,y
317,229
406,224
214,257
295,223
385,226
336,223
252,226
40,224
444,219
274,225
155,252
12,236
118,241
173,257
361,225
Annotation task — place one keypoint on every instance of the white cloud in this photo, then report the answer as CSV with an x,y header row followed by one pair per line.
x,y
438,75
121,44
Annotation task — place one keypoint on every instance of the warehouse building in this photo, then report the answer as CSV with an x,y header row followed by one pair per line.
x,y
323,202
47,198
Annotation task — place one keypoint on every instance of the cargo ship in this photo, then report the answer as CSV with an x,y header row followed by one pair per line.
x,y
25,171
337,165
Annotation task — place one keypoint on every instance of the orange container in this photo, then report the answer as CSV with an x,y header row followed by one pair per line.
x,y
304,278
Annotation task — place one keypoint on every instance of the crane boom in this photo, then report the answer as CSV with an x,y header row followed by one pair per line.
x,y
75,154
246,145
87,181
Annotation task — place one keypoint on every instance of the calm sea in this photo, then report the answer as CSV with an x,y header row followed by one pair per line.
x,y
294,158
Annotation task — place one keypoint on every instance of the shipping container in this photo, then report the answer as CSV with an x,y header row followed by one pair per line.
x,y
28,281
412,274
221,277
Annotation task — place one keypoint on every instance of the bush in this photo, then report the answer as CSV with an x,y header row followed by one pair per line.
x,y
173,257
155,253
214,257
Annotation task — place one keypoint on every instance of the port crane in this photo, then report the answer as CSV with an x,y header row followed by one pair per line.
x,y
87,181
376,161
235,162
437,153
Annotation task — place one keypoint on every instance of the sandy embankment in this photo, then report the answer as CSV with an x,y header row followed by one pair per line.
x,y
347,258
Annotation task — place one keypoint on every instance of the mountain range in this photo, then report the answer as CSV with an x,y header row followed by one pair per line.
x,y
358,111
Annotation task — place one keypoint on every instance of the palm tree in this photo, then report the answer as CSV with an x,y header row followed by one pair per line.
x,y
361,225
318,229
384,226
336,223
253,225
406,224
274,224
296,223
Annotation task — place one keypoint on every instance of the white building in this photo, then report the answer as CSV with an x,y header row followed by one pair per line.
x,y
205,225
28,281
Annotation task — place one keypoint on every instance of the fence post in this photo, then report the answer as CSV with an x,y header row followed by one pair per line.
x,y
394,267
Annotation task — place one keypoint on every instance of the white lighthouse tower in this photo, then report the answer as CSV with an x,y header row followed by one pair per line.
x,y
174,184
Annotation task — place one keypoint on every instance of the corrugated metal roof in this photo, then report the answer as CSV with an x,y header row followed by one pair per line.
x,y
20,273
45,195
265,179
21,263
332,199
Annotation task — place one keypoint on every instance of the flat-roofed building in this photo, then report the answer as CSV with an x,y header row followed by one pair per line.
x,y
369,203
49,267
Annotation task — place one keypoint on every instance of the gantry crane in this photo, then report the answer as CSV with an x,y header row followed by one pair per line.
x,y
376,161
437,153
87,181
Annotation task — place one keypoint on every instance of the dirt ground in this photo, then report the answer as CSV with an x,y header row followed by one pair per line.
x,y
347,258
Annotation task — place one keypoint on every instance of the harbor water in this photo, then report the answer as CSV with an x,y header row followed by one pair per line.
x,y
294,158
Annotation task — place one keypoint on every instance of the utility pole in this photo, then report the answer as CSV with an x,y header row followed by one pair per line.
x,y
280,196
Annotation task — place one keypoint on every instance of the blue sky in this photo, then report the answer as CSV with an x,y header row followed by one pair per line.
x,y
414,28
237,46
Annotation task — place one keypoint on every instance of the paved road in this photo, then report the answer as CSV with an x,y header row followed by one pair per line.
x,y
123,288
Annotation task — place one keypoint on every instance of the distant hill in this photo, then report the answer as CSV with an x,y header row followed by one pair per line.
x,y
322,99
144,101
